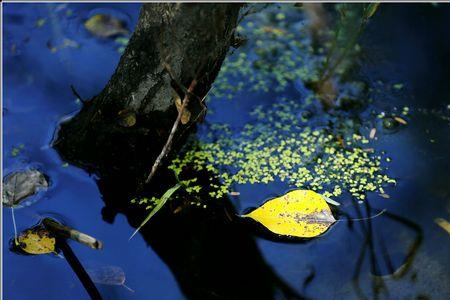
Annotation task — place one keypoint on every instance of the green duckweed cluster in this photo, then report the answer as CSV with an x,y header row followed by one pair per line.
x,y
277,52
280,147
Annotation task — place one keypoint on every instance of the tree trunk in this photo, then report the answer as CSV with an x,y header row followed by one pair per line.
x,y
121,131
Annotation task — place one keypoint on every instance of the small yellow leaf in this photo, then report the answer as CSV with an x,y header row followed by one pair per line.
x,y
373,131
400,120
36,241
444,224
299,213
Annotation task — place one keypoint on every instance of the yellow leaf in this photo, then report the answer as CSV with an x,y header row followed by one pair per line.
x,y
400,120
105,26
299,213
444,224
36,241
372,133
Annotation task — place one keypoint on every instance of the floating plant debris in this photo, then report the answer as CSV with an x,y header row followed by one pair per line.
x,y
36,240
280,147
108,275
19,185
299,213
278,51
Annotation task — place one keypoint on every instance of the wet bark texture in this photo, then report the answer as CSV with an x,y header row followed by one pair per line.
x,y
121,131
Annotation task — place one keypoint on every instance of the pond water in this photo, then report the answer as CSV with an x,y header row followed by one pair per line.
x,y
47,49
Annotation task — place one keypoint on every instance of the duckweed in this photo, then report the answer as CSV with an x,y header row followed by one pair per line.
x,y
279,146
278,51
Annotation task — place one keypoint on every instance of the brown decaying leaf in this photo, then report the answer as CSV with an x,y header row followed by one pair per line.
x,y
186,116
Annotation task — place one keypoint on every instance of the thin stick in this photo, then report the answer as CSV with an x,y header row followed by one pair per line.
x,y
127,287
364,219
74,91
72,234
79,270
12,212
14,225
168,144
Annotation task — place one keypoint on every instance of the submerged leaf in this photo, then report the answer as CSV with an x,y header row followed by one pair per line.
x,y
36,240
299,213
108,275
158,206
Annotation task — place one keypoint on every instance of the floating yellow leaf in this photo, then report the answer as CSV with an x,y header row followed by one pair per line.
x,y
444,224
299,213
372,133
36,240
400,120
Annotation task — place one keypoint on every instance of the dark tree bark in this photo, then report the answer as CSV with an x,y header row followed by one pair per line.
x,y
121,131
210,255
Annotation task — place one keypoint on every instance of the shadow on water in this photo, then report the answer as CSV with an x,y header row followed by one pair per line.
x,y
380,260
207,250
213,254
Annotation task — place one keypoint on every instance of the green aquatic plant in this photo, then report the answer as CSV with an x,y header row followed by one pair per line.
x,y
155,203
158,203
278,51
280,147
350,24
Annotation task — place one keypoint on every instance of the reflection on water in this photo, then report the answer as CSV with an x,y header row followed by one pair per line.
x,y
200,253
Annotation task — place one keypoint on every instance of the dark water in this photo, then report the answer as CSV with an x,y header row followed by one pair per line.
x,y
407,44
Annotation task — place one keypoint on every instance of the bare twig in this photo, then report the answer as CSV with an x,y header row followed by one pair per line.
x,y
179,85
168,145
12,211
74,91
